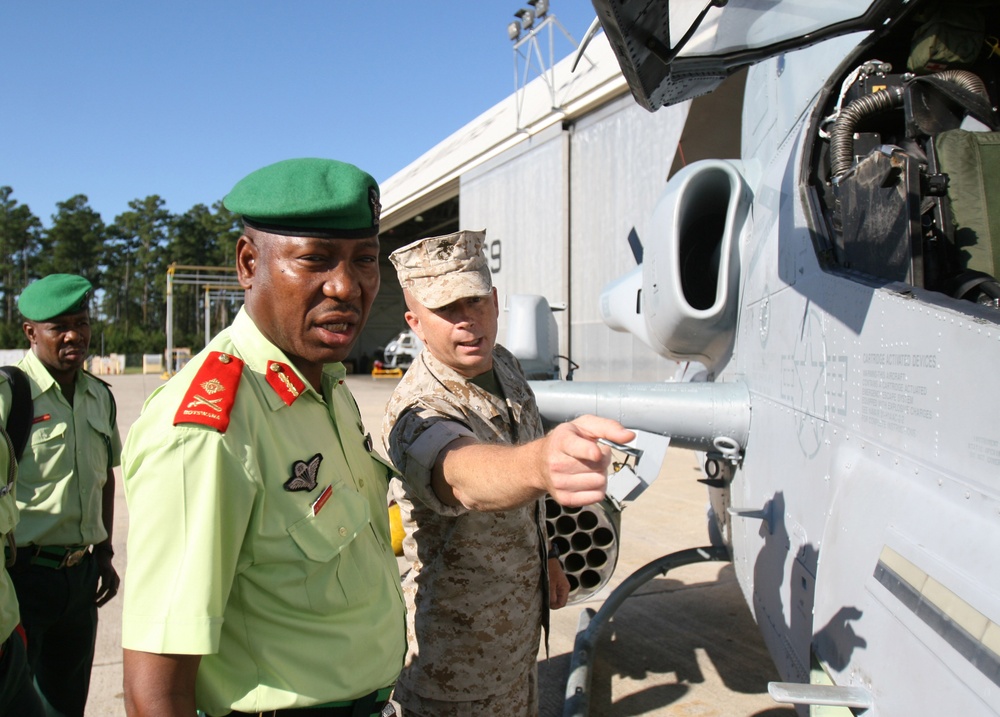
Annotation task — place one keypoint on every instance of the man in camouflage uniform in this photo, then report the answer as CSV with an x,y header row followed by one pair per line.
x,y
463,429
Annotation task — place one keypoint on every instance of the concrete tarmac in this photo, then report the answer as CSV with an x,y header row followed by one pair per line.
x,y
683,645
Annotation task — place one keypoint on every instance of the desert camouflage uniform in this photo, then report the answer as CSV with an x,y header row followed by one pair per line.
x,y
476,585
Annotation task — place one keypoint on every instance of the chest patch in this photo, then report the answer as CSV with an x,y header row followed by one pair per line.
x,y
304,474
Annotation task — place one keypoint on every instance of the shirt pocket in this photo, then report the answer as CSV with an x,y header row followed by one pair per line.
x,y
338,541
48,443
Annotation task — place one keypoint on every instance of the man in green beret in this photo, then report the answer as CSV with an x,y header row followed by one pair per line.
x,y
62,567
261,574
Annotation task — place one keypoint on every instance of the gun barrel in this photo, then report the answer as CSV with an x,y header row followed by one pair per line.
x,y
694,415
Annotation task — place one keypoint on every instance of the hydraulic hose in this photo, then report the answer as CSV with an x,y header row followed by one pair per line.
x,y
842,134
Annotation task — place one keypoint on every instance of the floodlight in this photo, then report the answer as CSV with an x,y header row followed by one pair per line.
x,y
514,30
541,7
527,18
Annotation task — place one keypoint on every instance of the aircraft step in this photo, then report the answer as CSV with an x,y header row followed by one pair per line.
x,y
830,695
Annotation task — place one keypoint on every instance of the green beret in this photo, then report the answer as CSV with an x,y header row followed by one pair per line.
x,y
55,295
308,197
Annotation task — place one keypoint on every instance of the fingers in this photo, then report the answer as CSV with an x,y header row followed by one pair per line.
x,y
595,427
581,436
108,587
558,585
576,464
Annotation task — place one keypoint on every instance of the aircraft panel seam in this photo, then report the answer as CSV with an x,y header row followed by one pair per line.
x,y
970,632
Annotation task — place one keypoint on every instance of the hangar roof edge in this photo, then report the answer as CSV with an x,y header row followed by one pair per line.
x,y
434,176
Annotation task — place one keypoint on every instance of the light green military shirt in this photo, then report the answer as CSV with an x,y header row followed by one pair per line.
x,y
292,599
65,465
9,615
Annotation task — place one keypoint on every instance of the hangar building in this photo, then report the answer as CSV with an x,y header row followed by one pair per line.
x,y
563,175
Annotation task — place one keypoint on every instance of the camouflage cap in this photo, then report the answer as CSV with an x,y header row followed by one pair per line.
x,y
308,197
55,295
440,270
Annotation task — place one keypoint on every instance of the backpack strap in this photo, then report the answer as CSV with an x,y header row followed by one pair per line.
x,y
22,410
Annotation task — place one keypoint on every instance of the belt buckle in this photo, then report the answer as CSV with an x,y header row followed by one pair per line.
x,y
72,558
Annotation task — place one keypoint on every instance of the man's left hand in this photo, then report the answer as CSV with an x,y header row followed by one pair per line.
x,y
109,580
558,585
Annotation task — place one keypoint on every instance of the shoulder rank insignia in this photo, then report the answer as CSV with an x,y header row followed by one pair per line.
x,y
210,397
285,382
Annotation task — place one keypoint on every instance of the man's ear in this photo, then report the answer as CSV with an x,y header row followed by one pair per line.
x,y
414,323
247,256
29,331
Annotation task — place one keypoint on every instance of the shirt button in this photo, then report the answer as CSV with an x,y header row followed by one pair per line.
x,y
361,482
343,531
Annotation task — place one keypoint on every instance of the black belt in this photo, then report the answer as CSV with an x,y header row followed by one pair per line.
x,y
374,704
50,556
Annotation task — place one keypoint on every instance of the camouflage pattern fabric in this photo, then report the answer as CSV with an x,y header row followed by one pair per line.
x,y
474,590
440,270
521,699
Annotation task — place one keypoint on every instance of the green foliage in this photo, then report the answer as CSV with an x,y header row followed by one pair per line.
x,y
127,262
127,340
12,336
19,244
74,242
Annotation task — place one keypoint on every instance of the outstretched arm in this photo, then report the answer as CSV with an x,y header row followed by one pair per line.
x,y
568,464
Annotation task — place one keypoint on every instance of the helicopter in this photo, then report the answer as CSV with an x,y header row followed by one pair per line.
x,y
833,292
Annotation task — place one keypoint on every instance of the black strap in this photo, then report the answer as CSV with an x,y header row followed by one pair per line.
x,y
22,410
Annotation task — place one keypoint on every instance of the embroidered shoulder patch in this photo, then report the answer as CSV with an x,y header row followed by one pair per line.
x,y
212,393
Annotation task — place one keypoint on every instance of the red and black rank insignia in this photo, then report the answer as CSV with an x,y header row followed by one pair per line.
x,y
285,382
304,474
211,395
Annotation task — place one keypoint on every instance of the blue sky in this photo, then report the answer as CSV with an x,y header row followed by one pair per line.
x,y
119,100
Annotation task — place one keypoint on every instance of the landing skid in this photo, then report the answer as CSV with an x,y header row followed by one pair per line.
x,y
577,703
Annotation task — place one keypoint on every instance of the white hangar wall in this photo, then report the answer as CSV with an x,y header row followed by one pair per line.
x,y
558,210
519,199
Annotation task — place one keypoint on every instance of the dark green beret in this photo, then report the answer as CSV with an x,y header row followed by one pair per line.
x,y
55,295
308,197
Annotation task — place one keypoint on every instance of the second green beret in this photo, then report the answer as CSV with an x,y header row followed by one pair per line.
x,y
53,296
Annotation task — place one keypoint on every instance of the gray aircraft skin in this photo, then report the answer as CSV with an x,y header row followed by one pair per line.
x,y
841,305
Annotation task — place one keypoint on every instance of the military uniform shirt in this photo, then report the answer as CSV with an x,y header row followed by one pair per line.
x,y
65,465
292,599
473,591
